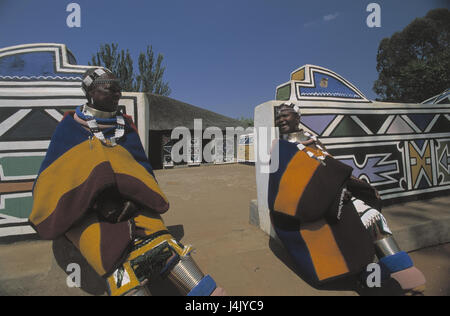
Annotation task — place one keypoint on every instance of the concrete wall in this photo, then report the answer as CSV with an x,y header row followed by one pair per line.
x,y
401,149
38,83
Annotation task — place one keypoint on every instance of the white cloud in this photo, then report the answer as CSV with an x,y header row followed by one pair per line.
x,y
330,17
309,24
324,19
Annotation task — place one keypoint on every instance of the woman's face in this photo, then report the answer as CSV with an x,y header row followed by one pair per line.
x,y
287,121
105,97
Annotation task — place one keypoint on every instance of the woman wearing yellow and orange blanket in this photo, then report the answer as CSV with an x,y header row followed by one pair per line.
x,y
329,221
97,187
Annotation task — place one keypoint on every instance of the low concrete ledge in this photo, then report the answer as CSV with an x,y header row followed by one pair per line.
x,y
420,224
260,218
415,225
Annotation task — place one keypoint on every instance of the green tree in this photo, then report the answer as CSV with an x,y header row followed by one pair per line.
x,y
414,64
150,76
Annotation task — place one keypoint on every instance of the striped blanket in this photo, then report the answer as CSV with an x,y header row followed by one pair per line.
x,y
324,235
76,169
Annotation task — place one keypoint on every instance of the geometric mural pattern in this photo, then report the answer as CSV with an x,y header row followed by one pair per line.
x,y
443,161
420,165
29,112
38,84
401,149
402,155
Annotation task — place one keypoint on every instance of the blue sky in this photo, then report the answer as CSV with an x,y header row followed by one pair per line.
x,y
223,55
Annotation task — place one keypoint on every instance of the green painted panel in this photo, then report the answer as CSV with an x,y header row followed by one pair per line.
x,y
284,93
348,128
18,207
21,166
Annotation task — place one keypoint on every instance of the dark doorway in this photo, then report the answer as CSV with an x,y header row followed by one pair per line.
x,y
155,149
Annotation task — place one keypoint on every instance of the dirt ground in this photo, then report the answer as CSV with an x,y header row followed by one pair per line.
x,y
211,203
209,208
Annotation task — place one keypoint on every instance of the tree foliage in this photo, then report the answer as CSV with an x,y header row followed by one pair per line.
x,y
150,76
414,64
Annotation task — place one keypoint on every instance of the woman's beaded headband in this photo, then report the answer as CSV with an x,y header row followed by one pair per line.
x,y
93,79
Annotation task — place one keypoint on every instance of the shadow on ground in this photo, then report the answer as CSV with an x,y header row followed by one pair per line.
x,y
66,253
354,283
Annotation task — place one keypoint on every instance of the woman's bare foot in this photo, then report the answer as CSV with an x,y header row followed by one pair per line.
x,y
219,292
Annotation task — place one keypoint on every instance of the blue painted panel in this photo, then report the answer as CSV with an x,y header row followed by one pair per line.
x,y
328,86
33,65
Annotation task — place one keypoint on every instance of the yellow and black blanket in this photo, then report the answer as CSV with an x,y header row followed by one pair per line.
x,y
76,169
324,235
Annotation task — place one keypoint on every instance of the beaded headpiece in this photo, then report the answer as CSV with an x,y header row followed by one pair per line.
x,y
93,79
287,107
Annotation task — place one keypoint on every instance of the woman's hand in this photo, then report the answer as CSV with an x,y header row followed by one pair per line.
x,y
113,208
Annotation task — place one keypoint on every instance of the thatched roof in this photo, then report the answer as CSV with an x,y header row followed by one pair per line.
x,y
167,113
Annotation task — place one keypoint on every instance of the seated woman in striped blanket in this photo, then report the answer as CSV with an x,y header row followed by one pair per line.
x,y
329,221
97,188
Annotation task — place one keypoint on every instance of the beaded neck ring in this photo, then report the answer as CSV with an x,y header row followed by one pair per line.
x,y
302,147
85,112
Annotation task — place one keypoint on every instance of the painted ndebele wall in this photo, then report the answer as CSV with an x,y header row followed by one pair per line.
x,y
403,150
246,151
38,83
